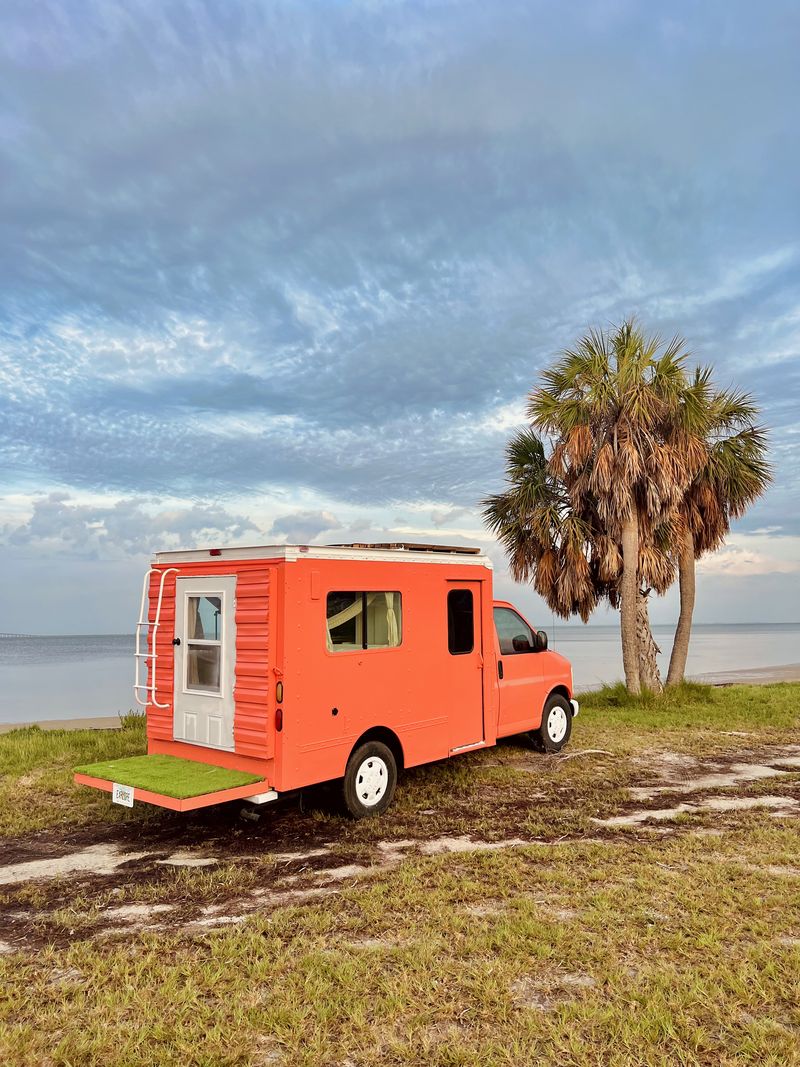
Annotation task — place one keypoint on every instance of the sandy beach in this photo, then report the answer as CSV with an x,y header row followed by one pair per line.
x,y
789,672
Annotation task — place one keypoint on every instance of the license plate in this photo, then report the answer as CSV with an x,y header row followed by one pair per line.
x,y
122,794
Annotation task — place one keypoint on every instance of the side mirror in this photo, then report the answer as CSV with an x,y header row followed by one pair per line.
x,y
541,641
521,644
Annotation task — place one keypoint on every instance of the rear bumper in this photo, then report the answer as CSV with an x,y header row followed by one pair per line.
x,y
575,707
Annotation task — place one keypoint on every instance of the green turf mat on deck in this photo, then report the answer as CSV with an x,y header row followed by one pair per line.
x,y
169,775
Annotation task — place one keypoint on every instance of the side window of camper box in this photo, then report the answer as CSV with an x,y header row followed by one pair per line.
x,y
460,622
361,620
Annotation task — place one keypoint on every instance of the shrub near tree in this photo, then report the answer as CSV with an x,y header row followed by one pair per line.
x,y
625,453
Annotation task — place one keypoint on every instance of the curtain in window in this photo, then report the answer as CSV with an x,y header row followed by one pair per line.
x,y
341,617
393,631
353,611
194,629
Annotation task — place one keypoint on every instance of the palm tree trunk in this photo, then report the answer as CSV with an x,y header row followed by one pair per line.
x,y
629,587
686,578
649,674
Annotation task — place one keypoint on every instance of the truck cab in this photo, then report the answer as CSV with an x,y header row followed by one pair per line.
x,y
528,674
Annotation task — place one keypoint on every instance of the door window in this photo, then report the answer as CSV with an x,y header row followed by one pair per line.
x,y
204,643
512,627
460,622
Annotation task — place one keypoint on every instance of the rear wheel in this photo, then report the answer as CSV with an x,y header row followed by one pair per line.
x,y
370,780
556,726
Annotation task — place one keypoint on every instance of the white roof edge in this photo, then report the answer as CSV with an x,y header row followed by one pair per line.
x,y
290,553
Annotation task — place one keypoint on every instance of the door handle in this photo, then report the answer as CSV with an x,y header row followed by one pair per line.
x,y
176,640
499,668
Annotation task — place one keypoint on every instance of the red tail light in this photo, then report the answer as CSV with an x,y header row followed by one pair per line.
x,y
279,719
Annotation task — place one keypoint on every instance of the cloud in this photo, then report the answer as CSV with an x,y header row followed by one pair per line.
x,y
312,252
447,515
740,562
304,527
59,524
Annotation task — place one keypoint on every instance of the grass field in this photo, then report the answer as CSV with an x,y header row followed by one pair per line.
x,y
493,916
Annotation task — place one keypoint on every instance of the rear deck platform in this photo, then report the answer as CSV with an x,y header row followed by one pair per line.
x,y
172,782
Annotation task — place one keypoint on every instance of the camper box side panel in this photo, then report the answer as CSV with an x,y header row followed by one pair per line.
x,y
256,580
254,720
332,697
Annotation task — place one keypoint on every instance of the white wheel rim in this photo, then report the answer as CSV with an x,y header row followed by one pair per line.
x,y
372,781
557,724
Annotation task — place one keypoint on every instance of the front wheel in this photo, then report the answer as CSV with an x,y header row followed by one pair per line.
x,y
370,780
556,726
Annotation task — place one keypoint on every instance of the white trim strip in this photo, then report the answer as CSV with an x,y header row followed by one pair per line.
x,y
464,748
291,553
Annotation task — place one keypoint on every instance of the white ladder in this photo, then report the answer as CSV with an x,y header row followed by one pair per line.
x,y
150,638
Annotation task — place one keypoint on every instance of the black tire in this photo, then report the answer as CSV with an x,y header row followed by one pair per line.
x,y
555,730
370,780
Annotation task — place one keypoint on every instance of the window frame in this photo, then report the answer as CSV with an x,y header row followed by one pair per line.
x,y
204,642
471,649
365,648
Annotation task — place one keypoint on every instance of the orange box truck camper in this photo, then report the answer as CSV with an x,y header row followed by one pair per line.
x,y
270,669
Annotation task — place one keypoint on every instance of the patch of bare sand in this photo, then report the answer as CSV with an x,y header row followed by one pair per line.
x,y
778,805
96,859
442,845
133,912
485,911
184,858
382,944
735,774
546,993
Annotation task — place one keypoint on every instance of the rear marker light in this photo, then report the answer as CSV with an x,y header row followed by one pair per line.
x,y
279,719
215,551
279,692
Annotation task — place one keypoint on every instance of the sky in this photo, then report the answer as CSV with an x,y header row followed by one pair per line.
x,y
287,271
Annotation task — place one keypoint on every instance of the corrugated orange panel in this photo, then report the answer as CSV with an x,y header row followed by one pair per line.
x,y
252,734
255,638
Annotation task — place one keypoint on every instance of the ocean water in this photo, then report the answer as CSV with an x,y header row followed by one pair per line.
x,y
67,677
596,654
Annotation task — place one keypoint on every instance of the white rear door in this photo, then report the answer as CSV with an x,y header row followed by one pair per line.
x,y
205,660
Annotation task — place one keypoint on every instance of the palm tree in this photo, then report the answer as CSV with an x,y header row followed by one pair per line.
x,y
547,539
626,439
555,539
735,473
